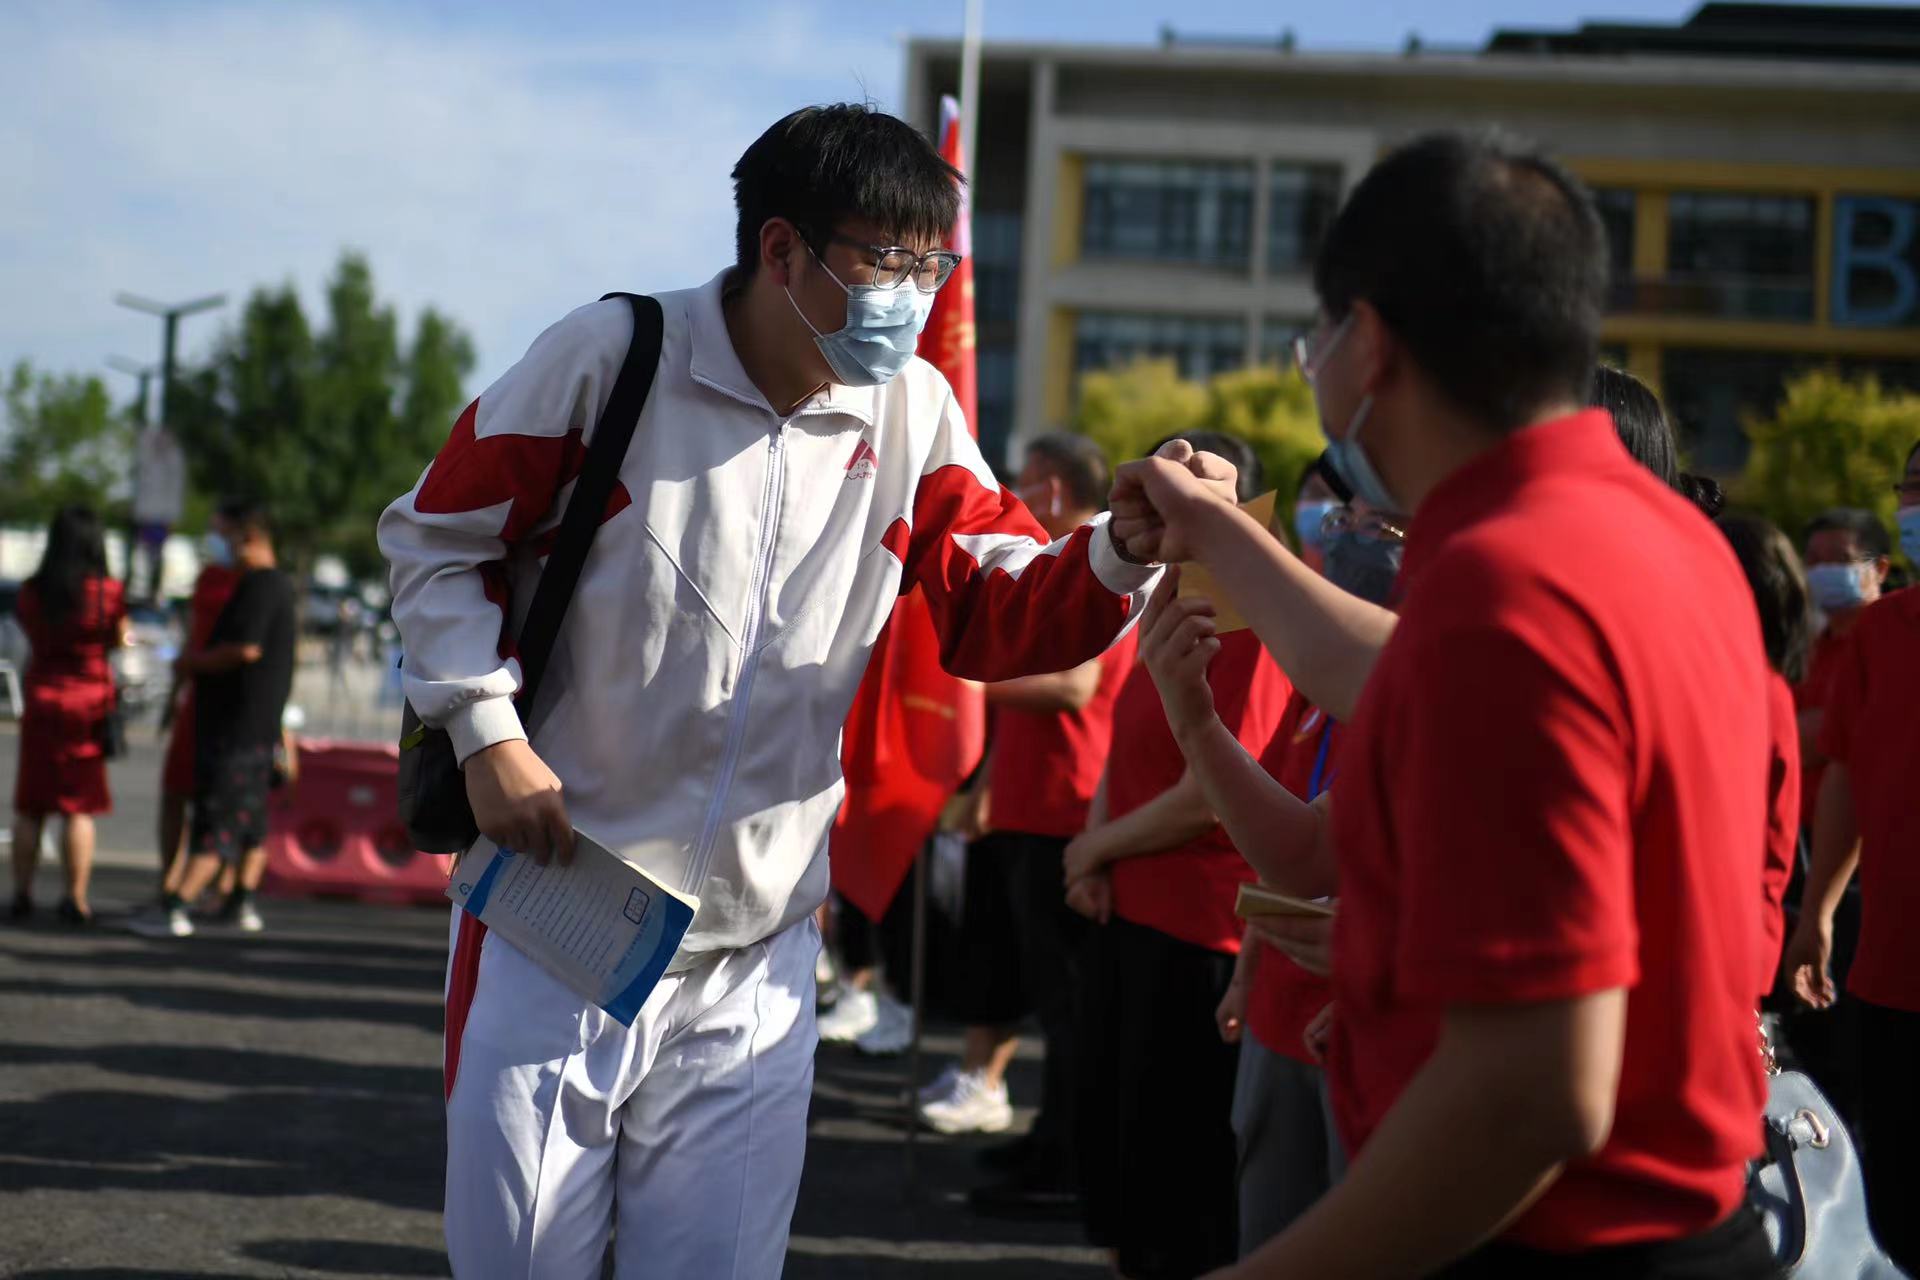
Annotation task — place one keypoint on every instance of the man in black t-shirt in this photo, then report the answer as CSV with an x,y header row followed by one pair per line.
x,y
241,681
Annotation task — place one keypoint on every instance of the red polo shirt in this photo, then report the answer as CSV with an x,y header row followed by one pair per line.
x,y
1873,727
1555,784
1811,694
1046,764
1283,997
1783,824
1187,893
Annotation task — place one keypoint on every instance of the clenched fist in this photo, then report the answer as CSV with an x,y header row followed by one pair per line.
x,y
1155,499
516,802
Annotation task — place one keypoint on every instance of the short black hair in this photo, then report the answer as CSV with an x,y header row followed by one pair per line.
x,y
1780,591
1081,465
249,514
1486,260
1863,525
1233,449
1639,419
1703,492
823,165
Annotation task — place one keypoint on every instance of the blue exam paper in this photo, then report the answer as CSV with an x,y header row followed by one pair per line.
x,y
602,926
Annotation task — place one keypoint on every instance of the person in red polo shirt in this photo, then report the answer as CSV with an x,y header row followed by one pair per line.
x,y
1556,776
1154,1137
1021,941
1288,1153
1867,818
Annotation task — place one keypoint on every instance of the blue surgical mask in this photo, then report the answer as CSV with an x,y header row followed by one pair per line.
x,y
883,328
1909,522
1837,586
1307,519
1363,565
218,551
1344,454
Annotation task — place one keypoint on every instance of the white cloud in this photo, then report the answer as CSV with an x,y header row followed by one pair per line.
x,y
502,175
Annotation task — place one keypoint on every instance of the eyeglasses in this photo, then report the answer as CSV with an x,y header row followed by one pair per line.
x,y
894,265
1307,358
1365,524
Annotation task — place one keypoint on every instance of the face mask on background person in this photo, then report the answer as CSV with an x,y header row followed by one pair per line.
x,y
1344,454
217,550
1307,518
883,327
1909,521
1363,563
1837,586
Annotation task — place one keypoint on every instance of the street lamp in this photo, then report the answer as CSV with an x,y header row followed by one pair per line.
x,y
143,372
170,320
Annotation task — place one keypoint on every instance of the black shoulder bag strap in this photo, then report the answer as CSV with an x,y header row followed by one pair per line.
x,y
585,509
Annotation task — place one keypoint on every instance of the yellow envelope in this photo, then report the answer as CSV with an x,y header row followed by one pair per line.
x,y
1196,581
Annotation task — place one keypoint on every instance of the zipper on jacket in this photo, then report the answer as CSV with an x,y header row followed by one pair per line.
x,y
760,588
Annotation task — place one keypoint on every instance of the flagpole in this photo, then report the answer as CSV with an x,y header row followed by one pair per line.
x,y
970,86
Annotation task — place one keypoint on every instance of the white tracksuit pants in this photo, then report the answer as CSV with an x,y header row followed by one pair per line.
x,y
690,1125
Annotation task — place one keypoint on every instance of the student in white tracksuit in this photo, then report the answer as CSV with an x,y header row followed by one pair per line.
x,y
780,492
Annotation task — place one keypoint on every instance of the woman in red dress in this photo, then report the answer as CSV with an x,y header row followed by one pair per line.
x,y
73,613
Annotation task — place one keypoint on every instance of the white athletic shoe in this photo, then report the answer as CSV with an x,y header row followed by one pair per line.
x,y
974,1107
161,922
941,1086
892,1030
246,918
852,1016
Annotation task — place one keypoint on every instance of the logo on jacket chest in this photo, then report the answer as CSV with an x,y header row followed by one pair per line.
x,y
864,462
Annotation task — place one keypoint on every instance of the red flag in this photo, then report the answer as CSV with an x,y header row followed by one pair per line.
x,y
915,732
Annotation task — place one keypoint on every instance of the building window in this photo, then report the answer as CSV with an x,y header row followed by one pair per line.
x,y
996,391
1616,206
1169,211
1740,256
1302,200
1200,346
996,266
1709,393
1276,338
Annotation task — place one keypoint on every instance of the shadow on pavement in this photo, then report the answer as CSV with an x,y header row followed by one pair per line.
x,y
350,1257
241,1004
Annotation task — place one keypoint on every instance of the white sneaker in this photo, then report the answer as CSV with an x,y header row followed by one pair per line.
x,y
852,1016
892,1030
246,918
975,1107
941,1086
161,922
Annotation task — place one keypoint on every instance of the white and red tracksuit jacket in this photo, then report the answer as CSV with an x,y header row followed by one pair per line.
x,y
742,571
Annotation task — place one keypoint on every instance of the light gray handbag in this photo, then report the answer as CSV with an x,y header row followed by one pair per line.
x,y
1808,1186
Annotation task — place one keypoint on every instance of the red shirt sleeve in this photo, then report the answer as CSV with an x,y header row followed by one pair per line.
x,y
1518,880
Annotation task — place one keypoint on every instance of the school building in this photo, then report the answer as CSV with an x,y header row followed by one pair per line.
x,y
1757,168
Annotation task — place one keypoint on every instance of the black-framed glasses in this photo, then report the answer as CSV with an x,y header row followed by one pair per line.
x,y
894,265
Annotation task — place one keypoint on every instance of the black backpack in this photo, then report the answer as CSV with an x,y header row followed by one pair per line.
x,y
433,790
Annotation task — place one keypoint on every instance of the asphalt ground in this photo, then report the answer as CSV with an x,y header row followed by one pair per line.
x,y
228,1106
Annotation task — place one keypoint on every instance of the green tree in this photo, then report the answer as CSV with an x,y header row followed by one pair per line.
x,y
1831,442
326,427
63,442
1127,409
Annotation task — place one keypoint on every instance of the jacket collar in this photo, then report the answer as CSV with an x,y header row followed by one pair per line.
x,y
715,364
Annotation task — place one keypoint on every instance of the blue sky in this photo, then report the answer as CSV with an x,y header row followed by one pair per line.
x,y
501,161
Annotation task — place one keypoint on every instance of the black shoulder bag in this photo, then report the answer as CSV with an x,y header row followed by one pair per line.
x,y
433,791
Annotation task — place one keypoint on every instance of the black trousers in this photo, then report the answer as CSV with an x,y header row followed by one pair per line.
x,y
1022,946
1737,1249
1889,1128
1154,1132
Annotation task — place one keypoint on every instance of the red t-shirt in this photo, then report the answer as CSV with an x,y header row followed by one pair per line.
x,y
1187,893
1873,727
1284,998
1046,765
1555,784
1811,694
1783,824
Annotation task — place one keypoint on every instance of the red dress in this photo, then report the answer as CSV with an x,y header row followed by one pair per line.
x,y
211,591
69,690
